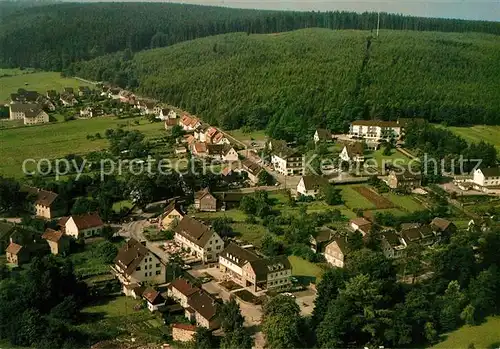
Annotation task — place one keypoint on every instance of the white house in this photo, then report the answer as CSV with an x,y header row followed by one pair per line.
x,y
323,135
487,177
376,129
200,240
136,264
393,246
361,224
30,113
189,123
154,299
310,185
335,252
232,260
288,162
86,225
167,113
353,152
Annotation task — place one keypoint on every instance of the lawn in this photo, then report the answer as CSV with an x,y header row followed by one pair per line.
x,y
381,159
405,202
56,140
353,199
479,133
89,262
5,72
240,135
116,316
40,82
305,270
486,335
251,233
235,214
395,211
117,206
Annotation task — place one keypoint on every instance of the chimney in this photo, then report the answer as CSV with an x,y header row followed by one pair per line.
x,y
143,242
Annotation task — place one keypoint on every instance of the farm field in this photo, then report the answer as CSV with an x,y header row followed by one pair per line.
x,y
58,139
479,133
353,199
375,198
240,135
395,211
252,233
405,202
486,335
40,82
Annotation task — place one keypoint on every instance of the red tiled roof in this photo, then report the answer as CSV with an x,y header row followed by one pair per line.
x,y
13,248
90,220
211,131
183,287
200,147
185,327
360,221
152,296
52,235
218,137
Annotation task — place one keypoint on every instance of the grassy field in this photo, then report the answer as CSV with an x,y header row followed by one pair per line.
x,y
40,82
353,199
479,133
5,72
305,269
486,335
249,136
116,316
117,206
381,159
56,140
251,233
405,202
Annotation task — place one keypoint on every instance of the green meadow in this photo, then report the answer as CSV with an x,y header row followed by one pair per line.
x,y
40,82
55,140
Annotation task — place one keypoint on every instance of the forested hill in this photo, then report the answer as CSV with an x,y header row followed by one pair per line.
x,y
295,81
53,36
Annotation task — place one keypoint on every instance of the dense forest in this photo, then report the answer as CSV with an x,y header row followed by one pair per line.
x,y
296,81
52,36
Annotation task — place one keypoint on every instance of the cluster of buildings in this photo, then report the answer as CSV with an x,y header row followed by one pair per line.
x,y
486,180
56,241
334,247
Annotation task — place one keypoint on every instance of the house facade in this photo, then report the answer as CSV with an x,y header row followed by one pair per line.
x,y
47,204
289,163
200,240
335,252
136,264
154,299
268,273
310,185
322,135
58,242
202,309
486,177
376,129
171,216
205,201
180,290
404,180
252,169
360,224
86,225
30,113
17,254
353,152
232,259
393,246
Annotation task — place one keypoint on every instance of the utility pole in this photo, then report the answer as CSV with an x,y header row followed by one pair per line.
x,y
378,22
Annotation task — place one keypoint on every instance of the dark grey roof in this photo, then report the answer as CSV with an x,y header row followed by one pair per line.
x,y
491,171
314,182
238,255
264,266
324,134
130,255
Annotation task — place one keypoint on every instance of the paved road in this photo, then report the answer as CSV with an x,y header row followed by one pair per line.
x,y
135,230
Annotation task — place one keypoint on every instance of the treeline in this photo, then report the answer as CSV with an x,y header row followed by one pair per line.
x,y
52,36
291,83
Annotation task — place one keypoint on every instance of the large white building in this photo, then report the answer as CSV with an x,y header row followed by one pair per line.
x,y
487,177
200,240
85,225
311,185
135,264
232,260
31,114
376,130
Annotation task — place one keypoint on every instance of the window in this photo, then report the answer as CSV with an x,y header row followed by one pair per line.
x,y
151,266
145,274
209,249
217,247
146,266
158,272
210,242
150,259
150,273
138,268
157,265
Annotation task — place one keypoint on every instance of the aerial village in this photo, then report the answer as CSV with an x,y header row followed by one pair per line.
x,y
212,266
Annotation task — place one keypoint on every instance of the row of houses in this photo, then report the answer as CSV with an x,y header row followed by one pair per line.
x,y
333,246
58,241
